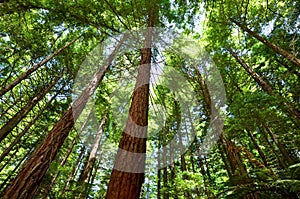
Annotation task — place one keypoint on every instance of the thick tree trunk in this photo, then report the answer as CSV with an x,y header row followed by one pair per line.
x,y
17,165
128,174
27,181
14,121
62,163
275,48
238,169
34,68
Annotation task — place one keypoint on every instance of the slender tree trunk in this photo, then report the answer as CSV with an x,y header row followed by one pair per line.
x,y
19,136
86,173
275,48
261,153
226,164
194,171
264,84
94,173
290,69
27,181
165,183
62,163
159,172
281,162
72,173
14,121
34,68
166,194
281,148
182,155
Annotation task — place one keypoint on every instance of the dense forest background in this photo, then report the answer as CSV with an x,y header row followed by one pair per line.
x,y
52,147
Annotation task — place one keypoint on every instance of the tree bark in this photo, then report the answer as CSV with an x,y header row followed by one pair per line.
x,y
275,48
14,121
74,170
281,148
264,84
34,68
86,173
261,153
62,163
28,179
28,126
128,174
281,162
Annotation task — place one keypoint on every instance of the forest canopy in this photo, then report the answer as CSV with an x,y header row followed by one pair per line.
x,y
150,99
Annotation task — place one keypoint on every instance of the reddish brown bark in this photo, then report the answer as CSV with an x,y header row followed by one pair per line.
x,y
127,176
87,170
30,176
275,48
264,84
34,68
62,163
28,126
14,121
261,153
126,182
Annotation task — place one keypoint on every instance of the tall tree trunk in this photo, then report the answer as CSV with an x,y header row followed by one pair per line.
x,y
159,171
261,153
3,183
73,172
14,121
24,131
127,176
178,129
290,69
27,181
275,48
264,84
34,68
281,148
62,163
225,160
238,169
166,194
165,183
281,162
196,141
86,173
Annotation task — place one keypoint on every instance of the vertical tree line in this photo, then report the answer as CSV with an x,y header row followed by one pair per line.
x,y
43,153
